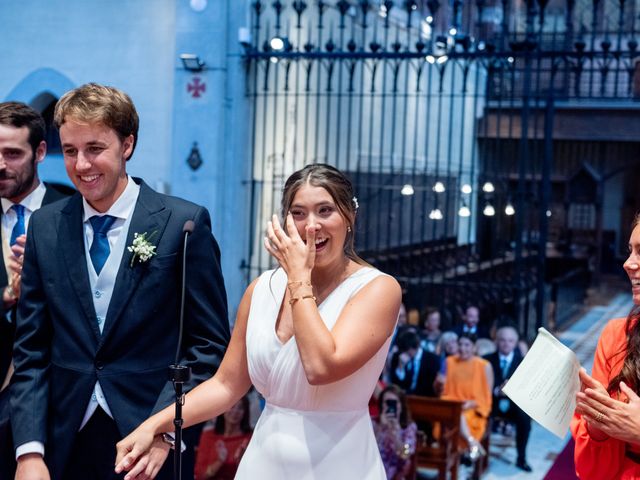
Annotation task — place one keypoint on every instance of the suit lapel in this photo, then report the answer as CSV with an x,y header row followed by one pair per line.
x,y
4,280
149,215
72,237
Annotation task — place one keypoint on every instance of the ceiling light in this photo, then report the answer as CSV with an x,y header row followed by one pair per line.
x,y
509,210
407,190
438,187
435,214
489,211
488,187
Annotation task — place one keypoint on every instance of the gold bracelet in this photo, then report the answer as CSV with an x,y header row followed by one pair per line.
x,y
295,286
295,299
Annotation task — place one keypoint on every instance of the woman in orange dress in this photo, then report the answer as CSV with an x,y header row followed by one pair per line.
x,y
470,379
606,424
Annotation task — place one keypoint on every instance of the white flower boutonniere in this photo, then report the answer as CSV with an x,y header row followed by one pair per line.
x,y
142,248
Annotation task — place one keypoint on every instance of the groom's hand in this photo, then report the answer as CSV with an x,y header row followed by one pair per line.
x,y
32,467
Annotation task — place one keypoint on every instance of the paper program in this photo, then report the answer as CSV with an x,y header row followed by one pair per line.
x,y
546,382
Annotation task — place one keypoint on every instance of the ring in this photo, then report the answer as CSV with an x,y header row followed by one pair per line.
x,y
599,417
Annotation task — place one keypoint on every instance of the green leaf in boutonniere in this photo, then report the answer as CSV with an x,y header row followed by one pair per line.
x,y
142,248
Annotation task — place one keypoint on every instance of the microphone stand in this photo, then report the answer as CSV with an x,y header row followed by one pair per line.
x,y
180,374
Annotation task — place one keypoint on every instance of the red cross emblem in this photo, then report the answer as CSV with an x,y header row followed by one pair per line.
x,y
196,88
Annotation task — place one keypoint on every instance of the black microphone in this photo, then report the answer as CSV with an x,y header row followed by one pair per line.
x,y
187,229
189,225
179,374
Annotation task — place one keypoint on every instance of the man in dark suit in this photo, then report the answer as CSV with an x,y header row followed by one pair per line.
x,y
471,324
414,370
98,317
22,148
504,362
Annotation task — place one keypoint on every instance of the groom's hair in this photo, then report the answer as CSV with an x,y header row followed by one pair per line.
x,y
94,103
18,115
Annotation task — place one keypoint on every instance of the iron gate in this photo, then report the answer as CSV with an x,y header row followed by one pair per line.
x,y
443,114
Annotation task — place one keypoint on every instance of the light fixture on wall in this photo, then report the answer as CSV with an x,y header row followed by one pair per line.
x,y
191,62
198,5
194,160
279,44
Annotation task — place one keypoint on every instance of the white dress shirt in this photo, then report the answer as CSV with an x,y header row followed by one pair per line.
x,y
31,203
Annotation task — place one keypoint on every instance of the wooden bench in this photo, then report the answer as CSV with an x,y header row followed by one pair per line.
x,y
442,454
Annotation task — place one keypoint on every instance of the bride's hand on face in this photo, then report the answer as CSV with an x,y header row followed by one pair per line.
x,y
292,253
141,454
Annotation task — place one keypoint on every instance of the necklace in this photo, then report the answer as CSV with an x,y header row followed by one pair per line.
x,y
323,291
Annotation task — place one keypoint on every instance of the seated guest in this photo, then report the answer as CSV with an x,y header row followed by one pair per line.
x,y
447,345
415,369
374,401
395,433
221,448
392,356
504,362
471,323
430,333
470,380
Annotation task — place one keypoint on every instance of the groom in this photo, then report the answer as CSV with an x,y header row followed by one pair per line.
x,y
98,315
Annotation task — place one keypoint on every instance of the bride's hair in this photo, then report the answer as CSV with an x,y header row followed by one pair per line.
x,y
337,185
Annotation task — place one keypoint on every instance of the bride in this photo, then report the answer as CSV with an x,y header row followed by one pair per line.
x,y
312,336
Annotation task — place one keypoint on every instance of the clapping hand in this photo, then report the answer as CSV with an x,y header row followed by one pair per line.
x,y
608,416
12,292
294,256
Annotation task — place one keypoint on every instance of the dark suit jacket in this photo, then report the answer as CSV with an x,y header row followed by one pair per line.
x,y
7,328
7,331
60,353
429,368
494,360
481,331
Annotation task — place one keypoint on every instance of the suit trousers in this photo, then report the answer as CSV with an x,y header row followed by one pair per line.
x,y
521,421
94,452
7,454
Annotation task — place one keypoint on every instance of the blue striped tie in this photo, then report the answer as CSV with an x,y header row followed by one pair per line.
x,y
18,228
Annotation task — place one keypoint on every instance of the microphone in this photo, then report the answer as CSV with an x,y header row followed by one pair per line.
x,y
187,229
179,374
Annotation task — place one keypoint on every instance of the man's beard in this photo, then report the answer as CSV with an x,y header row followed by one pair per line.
x,y
21,183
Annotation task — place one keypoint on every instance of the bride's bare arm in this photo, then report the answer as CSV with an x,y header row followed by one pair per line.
x,y
209,399
365,323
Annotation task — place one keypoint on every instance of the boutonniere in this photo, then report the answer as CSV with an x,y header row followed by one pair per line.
x,y
142,248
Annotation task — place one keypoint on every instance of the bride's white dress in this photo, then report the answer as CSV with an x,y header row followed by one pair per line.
x,y
308,432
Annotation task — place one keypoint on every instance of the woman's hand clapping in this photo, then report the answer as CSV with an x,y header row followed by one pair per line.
x,y
606,416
